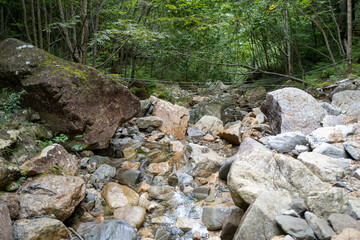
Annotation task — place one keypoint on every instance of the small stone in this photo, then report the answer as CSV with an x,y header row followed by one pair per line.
x,y
117,195
173,180
177,146
352,151
320,226
209,137
299,206
330,150
128,177
132,215
332,121
201,192
213,217
159,169
341,221
296,227
292,213
111,229
231,223
104,172
162,234
150,121
129,153
347,234
86,153
161,192
186,224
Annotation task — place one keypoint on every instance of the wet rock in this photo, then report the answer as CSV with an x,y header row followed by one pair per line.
x,y
347,234
201,192
330,135
195,132
40,229
117,195
232,134
332,121
159,169
296,227
286,142
291,110
162,234
324,203
12,202
330,150
210,124
225,168
299,206
107,230
261,215
213,217
246,180
53,159
326,168
133,215
351,151
8,173
6,228
330,109
175,118
320,226
104,172
344,99
78,97
341,221
231,223
128,177
186,224
150,121
202,161
161,192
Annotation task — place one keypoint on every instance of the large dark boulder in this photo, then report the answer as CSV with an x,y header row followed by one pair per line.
x,y
70,98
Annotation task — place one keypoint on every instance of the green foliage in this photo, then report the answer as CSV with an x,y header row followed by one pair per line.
x,y
62,138
10,102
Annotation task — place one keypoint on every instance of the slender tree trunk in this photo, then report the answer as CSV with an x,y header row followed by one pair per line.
x,y
85,31
74,33
349,33
133,63
65,32
96,28
47,32
288,40
33,22
25,21
39,23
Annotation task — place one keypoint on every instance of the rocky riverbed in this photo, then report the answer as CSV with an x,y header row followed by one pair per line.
x,y
221,164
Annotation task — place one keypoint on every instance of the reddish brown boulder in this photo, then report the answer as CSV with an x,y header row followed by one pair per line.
x,y
71,98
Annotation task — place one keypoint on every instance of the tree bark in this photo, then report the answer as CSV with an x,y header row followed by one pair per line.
x,y
85,31
39,23
47,32
25,21
349,33
33,22
96,29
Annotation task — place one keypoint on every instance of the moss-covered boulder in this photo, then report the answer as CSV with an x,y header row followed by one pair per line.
x,y
71,98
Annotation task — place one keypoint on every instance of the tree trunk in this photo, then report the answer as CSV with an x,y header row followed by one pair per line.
x,y
85,31
74,33
33,22
39,23
133,63
96,28
46,26
2,26
25,22
349,33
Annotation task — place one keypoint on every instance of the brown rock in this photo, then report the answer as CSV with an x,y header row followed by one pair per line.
x,y
129,153
6,230
232,134
40,229
117,195
132,215
58,195
159,169
177,158
12,201
52,159
130,165
70,98
8,173
175,117
347,234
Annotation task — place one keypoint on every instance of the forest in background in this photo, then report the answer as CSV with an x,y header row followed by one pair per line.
x,y
195,40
